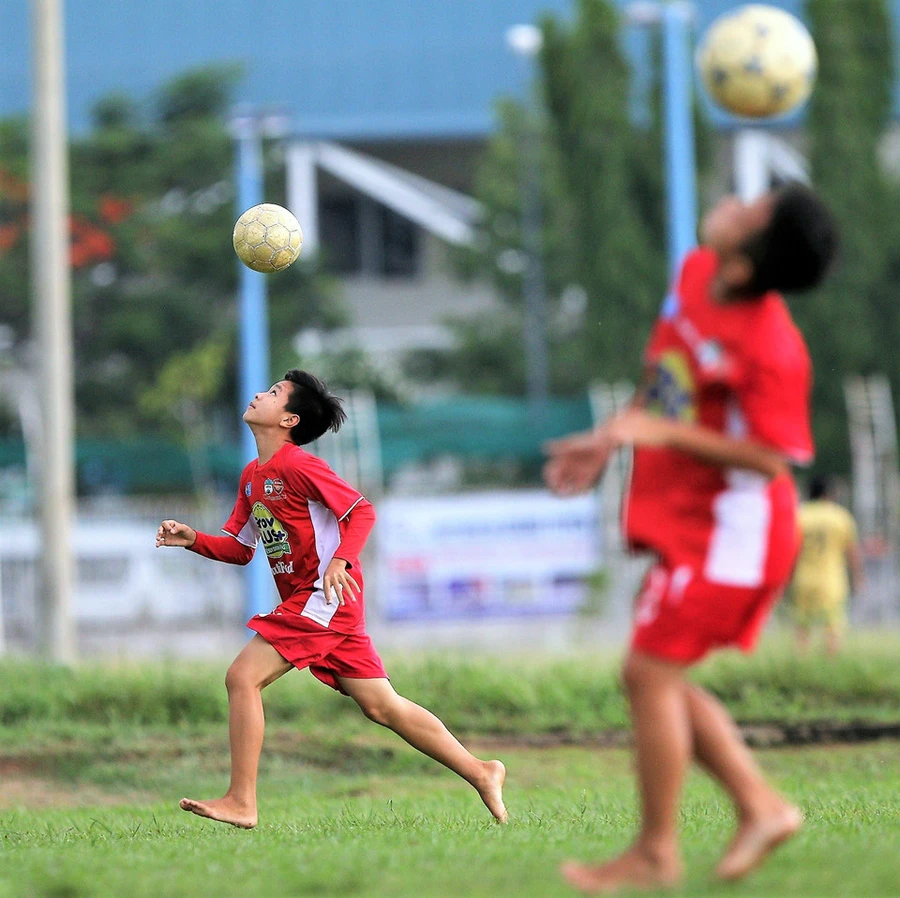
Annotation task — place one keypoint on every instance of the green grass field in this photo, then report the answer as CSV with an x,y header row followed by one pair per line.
x,y
375,820
92,764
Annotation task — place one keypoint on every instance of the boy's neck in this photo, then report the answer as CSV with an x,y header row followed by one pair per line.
x,y
723,294
268,442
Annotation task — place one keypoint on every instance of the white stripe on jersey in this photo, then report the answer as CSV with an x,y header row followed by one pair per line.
x,y
739,544
328,538
248,535
344,515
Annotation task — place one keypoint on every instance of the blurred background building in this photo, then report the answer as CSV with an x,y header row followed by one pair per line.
x,y
408,83
391,114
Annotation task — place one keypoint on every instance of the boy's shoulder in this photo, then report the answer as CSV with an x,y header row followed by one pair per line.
x,y
697,271
296,459
763,326
776,339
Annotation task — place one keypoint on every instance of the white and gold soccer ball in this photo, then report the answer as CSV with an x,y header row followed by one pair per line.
x,y
757,61
267,238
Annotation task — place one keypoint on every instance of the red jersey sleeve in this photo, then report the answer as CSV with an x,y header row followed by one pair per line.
x,y
318,482
222,548
697,268
242,525
775,399
355,530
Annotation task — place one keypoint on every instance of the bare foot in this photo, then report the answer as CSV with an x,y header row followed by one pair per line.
x,y
490,788
632,870
755,838
225,810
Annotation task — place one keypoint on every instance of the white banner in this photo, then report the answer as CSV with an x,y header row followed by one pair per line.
x,y
485,554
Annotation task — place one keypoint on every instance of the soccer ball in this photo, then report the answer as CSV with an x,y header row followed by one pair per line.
x,y
267,238
757,61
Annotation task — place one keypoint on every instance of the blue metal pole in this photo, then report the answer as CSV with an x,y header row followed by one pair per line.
x,y
681,166
253,325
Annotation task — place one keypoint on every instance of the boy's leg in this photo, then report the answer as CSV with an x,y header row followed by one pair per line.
x,y
663,748
257,665
425,732
765,818
835,624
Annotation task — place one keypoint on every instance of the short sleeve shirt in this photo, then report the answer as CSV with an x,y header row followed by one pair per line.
x,y
828,531
293,504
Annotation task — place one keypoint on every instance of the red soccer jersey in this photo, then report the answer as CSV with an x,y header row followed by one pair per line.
x,y
740,368
296,505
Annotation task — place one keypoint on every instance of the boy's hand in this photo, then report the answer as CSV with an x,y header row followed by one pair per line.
x,y
338,584
577,462
172,533
636,427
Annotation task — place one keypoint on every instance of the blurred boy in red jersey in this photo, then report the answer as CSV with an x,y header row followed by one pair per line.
x,y
722,412
313,527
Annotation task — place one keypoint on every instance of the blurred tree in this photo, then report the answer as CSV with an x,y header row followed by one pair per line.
x,y
604,243
853,323
155,278
184,395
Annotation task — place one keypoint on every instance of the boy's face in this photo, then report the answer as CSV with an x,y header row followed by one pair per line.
x,y
268,409
731,222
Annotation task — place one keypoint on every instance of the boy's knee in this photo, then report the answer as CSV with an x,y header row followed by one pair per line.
x,y
236,678
380,710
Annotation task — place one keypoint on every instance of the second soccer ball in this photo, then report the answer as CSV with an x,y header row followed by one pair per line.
x,y
757,61
267,238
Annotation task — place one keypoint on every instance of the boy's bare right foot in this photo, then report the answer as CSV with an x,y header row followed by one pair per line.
x,y
225,810
756,838
490,788
634,869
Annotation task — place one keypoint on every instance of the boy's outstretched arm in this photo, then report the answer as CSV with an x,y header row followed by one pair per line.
x,y
219,548
638,428
576,462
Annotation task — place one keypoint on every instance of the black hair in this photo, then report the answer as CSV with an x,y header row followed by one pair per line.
x,y
796,248
318,409
819,487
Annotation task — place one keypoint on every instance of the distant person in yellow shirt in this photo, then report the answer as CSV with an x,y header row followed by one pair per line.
x,y
830,551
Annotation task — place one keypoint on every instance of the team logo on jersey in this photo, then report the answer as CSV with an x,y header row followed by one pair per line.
x,y
712,357
271,531
248,488
273,487
672,392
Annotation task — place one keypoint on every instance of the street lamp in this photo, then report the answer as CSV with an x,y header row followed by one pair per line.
x,y
526,41
675,18
248,129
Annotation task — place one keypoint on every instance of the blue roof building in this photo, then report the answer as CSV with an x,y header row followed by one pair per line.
x,y
412,82
343,69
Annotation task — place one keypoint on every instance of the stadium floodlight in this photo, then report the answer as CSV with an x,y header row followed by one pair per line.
x,y
526,42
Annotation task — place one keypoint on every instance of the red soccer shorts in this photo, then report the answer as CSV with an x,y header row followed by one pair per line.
x,y
328,655
680,616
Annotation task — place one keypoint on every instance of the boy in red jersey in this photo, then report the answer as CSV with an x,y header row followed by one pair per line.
x,y
313,527
721,414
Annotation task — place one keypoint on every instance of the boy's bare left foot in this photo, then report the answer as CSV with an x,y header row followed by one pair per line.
x,y
631,870
225,810
490,788
756,838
